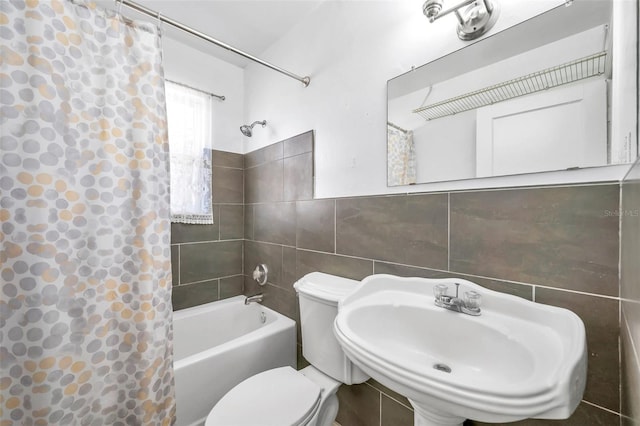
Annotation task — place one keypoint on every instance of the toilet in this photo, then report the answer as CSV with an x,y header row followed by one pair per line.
x,y
284,396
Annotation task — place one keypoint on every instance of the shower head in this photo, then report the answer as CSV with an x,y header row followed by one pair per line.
x,y
248,130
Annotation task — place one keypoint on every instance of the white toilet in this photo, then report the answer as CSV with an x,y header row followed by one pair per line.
x,y
284,396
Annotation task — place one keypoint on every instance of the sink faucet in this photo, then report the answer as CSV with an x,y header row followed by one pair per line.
x,y
253,299
470,305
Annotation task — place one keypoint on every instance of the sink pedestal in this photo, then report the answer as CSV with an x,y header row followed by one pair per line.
x,y
429,417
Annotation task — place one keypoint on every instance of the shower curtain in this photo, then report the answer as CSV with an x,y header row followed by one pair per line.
x,y
401,157
85,306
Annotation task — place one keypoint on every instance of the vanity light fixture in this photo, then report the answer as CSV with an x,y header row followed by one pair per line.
x,y
474,21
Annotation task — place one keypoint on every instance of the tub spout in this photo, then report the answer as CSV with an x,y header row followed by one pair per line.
x,y
253,299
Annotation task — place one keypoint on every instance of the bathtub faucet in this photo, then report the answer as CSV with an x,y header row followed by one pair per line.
x,y
253,299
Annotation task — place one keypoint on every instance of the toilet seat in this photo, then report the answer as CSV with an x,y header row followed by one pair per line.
x,y
277,397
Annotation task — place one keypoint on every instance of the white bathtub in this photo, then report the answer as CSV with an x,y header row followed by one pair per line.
x,y
218,345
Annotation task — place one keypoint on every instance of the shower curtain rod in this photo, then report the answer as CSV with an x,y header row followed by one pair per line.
x,y
157,15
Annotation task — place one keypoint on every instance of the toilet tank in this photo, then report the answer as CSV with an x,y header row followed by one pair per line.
x,y
318,296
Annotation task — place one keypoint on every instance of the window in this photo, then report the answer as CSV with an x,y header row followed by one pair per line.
x,y
189,116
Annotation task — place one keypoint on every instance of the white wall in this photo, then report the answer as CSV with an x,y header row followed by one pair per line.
x,y
625,38
192,67
350,49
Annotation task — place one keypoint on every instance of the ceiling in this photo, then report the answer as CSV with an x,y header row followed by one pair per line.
x,y
248,25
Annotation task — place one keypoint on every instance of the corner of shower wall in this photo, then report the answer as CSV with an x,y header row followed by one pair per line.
x,y
630,296
277,178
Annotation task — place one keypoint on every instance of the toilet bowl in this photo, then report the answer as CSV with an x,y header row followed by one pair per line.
x,y
284,396
279,397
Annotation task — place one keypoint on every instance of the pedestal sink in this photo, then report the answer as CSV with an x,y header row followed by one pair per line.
x,y
512,359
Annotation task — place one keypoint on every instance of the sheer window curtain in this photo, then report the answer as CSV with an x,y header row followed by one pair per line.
x,y
189,114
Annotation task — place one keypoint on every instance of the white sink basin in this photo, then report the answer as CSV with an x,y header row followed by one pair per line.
x,y
516,360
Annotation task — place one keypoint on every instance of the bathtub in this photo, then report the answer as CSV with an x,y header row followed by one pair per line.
x,y
218,345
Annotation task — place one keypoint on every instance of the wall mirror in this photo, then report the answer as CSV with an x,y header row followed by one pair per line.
x,y
550,93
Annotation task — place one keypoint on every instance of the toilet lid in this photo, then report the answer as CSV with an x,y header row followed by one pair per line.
x,y
278,397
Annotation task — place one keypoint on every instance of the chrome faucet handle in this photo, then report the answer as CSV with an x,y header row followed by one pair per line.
x,y
472,300
440,291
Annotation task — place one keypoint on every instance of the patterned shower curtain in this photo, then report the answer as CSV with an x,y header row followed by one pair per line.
x,y
401,156
85,306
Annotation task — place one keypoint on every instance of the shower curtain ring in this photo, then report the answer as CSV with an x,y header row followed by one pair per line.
x,y
159,18
119,8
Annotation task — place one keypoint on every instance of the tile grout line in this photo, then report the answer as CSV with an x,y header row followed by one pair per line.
x,y
620,349
337,254
601,407
219,224
243,244
226,167
212,279
584,293
207,242
335,226
389,396
449,231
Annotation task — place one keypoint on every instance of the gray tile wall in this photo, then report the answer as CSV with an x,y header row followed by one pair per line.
x,y
554,245
630,296
207,259
560,237
277,178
